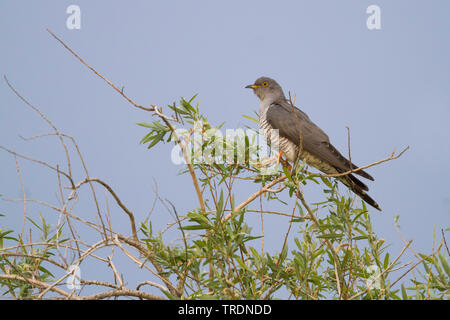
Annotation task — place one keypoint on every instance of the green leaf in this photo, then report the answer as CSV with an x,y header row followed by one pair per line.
x,y
45,271
156,139
207,297
193,97
197,227
327,182
255,254
241,263
386,261
220,206
250,118
444,264
168,295
35,224
288,174
404,294
330,236
145,125
283,254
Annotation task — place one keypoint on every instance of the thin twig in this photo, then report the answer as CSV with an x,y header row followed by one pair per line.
x,y
186,263
24,196
98,74
116,273
391,157
153,284
337,266
118,201
349,149
445,241
36,283
45,164
94,247
46,119
154,109
254,196
123,293
388,269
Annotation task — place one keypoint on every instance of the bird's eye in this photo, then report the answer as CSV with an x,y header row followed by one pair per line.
x,y
265,84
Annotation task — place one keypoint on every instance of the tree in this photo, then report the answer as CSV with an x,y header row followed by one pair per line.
x,y
337,254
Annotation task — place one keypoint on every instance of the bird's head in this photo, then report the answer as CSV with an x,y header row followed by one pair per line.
x,y
267,88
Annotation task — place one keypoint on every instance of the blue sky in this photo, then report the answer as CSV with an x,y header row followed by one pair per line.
x,y
390,86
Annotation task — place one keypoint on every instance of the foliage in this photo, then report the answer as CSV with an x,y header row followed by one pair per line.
x,y
330,250
236,270
337,254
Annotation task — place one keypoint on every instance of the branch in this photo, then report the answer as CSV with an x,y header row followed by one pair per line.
x,y
45,164
37,283
150,256
118,201
45,118
187,160
391,157
122,293
153,108
337,267
388,269
254,196
98,74
150,283
32,256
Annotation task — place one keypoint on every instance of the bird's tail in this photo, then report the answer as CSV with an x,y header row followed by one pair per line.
x,y
357,187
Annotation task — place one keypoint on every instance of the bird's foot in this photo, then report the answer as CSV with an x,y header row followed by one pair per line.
x,y
283,162
266,162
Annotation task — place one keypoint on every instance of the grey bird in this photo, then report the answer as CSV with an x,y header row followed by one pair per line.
x,y
276,112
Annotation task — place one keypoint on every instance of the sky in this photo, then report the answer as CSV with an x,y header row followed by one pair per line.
x,y
389,86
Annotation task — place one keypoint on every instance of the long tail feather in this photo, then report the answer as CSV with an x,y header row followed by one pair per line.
x,y
355,185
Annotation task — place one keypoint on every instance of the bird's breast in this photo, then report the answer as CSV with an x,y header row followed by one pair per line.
x,y
275,141
290,149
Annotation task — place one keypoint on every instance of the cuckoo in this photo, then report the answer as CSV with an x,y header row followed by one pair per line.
x,y
300,138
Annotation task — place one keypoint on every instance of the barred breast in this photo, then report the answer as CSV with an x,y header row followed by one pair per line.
x,y
289,149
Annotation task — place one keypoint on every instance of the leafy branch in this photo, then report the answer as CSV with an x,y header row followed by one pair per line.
x,y
334,253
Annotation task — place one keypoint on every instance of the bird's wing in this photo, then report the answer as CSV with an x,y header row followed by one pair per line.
x,y
287,120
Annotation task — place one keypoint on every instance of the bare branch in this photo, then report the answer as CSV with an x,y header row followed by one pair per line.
x,y
46,119
24,196
120,91
38,284
45,164
123,293
116,273
118,201
165,119
393,156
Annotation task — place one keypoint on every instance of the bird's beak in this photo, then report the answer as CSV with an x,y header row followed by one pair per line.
x,y
252,86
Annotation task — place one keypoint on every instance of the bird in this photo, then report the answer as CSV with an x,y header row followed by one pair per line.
x,y
277,112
